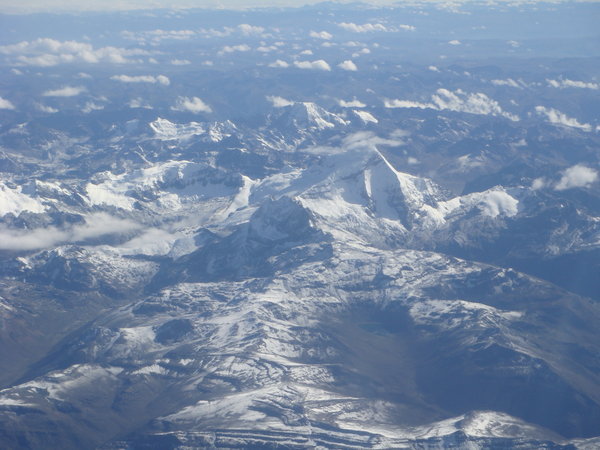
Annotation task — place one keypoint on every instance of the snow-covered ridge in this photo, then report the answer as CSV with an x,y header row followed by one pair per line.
x,y
166,130
15,201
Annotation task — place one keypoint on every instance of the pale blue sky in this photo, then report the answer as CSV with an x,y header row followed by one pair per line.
x,y
102,5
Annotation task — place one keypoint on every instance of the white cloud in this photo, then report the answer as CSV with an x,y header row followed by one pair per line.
x,y
91,106
161,79
279,102
558,118
566,83
250,29
538,184
476,103
407,104
96,225
443,99
180,62
306,52
235,48
67,91
364,51
365,28
320,35
6,104
433,69
194,105
314,65
576,177
499,202
266,49
139,103
454,42
46,109
348,65
407,27
508,82
279,64
46,52
351,104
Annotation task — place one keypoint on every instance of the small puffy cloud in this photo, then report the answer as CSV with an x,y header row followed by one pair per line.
x,y
566,83
164,80
351,104
279,64
91,106
578,176
365,28
348,65
248,30
46,109
139,103
364,51
180,62
314,65
558,118
235,48
508,82
320,35
514,44
279,102
266,48
6,104
46,52
161,79
433,69
306,52
538,183
194,105
499,202
407,27
454,42
67,91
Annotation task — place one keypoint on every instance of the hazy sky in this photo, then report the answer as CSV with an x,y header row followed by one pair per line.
x,y
87,5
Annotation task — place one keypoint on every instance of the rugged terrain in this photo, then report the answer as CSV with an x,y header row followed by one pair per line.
x,y
276,251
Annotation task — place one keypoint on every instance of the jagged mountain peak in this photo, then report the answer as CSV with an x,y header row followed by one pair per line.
x,y
306,115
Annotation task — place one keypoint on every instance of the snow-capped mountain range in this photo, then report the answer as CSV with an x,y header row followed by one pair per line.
x,y
275,267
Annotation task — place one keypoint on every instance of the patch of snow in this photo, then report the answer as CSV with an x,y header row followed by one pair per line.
x,y
15,201
365,116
